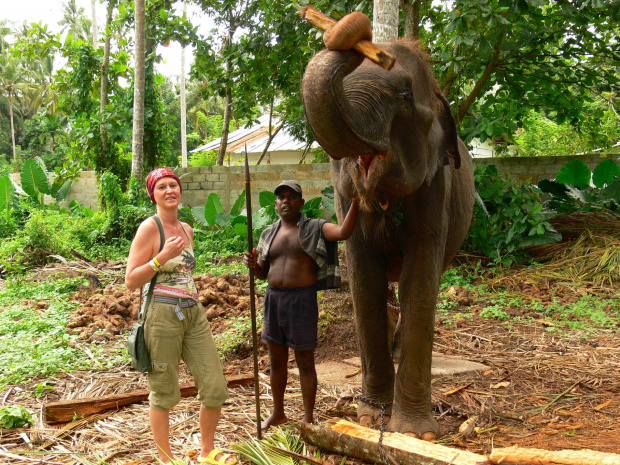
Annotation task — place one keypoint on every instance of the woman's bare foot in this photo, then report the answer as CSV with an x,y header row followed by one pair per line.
x,y
273,420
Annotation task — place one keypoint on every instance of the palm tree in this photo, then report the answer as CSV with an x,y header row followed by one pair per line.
x,y
385,20
74,21
5,31
13,83
137,143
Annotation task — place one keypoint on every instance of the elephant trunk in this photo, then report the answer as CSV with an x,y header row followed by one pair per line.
x,y
327,108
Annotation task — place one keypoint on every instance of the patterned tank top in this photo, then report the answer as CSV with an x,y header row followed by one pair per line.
x,y
175,277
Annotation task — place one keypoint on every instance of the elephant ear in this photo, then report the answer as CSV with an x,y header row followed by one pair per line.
x,y
449,146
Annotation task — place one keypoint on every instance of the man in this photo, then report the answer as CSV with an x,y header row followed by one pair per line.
x,y
297,256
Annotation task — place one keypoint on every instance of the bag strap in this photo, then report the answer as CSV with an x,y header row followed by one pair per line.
x,y
149,294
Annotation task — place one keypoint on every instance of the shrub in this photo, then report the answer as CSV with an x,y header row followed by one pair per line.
x,y
508,216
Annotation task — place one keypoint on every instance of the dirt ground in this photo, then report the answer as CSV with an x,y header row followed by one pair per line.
x,y
542,389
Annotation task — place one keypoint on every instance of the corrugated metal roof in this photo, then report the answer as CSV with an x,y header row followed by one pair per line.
x,y
256,137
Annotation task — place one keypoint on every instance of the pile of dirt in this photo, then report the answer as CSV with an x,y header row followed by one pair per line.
x,y
106,314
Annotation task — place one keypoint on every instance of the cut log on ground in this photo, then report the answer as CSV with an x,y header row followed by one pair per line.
x,y
69,410
555,457
353,440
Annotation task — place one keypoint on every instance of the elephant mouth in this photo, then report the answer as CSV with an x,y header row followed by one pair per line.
x,y
369,163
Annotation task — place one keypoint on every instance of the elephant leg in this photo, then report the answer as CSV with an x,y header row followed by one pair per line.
x,y
418,288
368,283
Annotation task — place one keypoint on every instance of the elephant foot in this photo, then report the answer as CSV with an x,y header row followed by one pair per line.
x,y
367,420
423,427
370,415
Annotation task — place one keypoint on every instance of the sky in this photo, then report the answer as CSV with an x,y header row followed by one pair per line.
x,y
50,12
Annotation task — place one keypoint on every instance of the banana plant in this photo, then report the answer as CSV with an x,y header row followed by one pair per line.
x,y
34,180
576,187
7,195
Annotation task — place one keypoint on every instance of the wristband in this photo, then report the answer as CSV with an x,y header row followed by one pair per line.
x,y
153,265
157,264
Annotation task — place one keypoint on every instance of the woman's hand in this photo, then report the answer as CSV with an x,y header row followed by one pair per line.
x,y
173,247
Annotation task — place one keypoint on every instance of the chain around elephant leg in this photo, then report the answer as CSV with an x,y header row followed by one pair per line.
x,y
370,412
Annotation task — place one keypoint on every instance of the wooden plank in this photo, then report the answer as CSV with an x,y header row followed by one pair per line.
x,y
65,411
353,440
364,47
563,457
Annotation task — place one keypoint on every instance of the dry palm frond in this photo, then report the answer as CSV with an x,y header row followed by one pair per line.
x,y
589,253
591,258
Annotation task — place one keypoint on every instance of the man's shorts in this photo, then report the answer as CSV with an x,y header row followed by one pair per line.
x,y
291,317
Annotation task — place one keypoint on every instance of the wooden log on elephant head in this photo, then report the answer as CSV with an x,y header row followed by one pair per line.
x,y
65,411
353,440
555,457
365,47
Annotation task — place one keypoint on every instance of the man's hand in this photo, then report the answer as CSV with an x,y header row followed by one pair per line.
x,y
249,259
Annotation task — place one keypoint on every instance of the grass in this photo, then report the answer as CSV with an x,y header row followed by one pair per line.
x,y
34,342
238,333
588,315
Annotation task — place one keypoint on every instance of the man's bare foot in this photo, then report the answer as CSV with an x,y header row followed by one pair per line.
x,y
273,420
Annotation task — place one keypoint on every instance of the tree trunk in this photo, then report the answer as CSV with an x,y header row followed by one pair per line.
x,y
12,128
94,23
103,100
137,143
150,137
385,20
228,99
412,19
540,456
463,108
64,411
183,103
353,440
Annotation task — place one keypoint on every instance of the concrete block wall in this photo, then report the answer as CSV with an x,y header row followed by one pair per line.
x,y
537,168
229,182
83,190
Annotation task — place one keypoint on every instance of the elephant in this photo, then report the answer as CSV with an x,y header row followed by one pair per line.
x,y
393,144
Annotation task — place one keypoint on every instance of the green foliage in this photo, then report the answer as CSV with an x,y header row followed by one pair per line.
x,y
14,416
577,188
202,159
48,231
124,212
541,136
508,216
498,61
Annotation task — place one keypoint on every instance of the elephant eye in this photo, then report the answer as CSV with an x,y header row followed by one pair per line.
x,y
405,94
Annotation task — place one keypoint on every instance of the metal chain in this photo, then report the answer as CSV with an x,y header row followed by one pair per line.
x,y
382,406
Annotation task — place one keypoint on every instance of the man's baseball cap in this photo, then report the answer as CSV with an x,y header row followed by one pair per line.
x,y
291,184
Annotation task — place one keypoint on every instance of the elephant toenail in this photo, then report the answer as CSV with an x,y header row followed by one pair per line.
x,y
365,420
429,436
412,435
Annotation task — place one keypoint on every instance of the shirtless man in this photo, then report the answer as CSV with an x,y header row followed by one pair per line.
x,y
292,255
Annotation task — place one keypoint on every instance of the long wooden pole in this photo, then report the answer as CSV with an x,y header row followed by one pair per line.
x,y
248,207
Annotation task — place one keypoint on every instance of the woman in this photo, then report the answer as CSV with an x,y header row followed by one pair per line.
x,y
176,324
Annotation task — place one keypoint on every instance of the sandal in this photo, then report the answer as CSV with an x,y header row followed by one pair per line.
x,y
222,460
